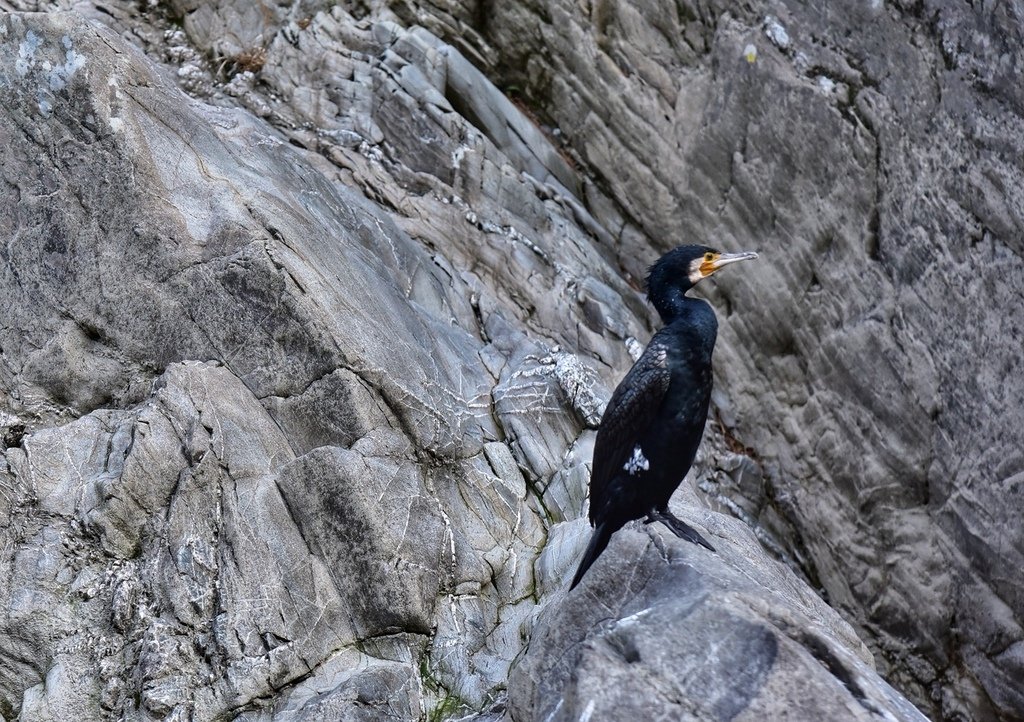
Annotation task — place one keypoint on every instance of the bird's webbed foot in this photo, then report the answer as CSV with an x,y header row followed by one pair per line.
x,y
677,526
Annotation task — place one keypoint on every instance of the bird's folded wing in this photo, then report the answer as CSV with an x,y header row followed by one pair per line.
x,y
631,410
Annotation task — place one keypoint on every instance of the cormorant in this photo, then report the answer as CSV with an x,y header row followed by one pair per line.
x,y
655,419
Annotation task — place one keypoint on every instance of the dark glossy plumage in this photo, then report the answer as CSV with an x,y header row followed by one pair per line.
x,y
654,421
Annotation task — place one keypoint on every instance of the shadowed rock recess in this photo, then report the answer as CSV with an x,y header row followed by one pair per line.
x,y
310,310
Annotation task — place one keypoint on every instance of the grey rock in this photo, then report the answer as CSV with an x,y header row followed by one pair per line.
x,y
696,636
336,410
380,538
349,686
202,555
869,362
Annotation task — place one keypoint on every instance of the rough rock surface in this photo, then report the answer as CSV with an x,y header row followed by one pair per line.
x,y
873,151
688,635
300,381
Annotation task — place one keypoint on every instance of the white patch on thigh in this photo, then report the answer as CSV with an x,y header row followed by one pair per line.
x,y
637,462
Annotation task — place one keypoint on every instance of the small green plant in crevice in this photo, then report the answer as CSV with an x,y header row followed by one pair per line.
x,y
448,708
449,704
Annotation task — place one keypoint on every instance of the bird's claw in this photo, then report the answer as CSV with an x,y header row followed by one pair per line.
x,y
679,527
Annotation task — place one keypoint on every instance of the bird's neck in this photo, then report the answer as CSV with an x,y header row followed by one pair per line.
x,y
674,305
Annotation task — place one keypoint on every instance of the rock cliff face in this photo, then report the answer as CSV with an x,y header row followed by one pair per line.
x,y
873,363
301,370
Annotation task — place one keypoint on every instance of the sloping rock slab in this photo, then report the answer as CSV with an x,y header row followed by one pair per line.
x,y
686,637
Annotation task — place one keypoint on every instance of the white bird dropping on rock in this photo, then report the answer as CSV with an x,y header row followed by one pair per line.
x,y
776,32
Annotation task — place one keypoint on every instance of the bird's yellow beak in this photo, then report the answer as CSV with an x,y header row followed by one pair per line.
x,y
724,259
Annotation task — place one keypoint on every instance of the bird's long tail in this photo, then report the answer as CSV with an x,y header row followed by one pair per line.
x,y
598,541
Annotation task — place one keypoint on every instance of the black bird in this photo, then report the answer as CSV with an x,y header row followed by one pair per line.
x,y
655,419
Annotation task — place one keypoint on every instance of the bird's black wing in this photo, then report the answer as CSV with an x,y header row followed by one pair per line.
x,y
630,411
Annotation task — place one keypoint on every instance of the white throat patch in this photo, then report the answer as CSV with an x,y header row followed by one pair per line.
x,y
637,462
695,274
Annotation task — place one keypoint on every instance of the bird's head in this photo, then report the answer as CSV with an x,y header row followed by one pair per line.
x,y
680,269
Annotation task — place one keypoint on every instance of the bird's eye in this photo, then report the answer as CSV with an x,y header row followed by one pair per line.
x,y
709,257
